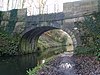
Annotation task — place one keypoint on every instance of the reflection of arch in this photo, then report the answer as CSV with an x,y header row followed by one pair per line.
x,y
29,39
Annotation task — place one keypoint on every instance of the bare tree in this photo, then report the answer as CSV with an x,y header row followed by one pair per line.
x,y
41,5
8,5
1,4
15,4
23,3
20,3
12,4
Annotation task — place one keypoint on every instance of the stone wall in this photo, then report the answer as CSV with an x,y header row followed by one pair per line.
x,y
13,20
81,7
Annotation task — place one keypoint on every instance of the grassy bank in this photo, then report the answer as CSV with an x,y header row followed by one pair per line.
x,y
35,70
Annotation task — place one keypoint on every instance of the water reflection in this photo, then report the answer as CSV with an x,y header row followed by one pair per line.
x,y
50,52
19,64
16,65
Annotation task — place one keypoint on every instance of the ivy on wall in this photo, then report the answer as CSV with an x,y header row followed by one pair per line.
x,y
0,16
90,28
12,21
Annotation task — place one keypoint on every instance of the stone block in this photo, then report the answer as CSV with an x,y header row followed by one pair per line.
x,y
19,27
15,15
21,14
81,7
6,15
4,24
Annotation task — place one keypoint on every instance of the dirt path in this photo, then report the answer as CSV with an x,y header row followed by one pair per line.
x,y
67,64
62,65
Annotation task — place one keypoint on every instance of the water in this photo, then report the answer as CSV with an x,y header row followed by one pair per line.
x,y
18,65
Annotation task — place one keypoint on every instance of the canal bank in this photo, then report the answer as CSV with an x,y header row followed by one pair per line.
x,y
66,64
62,64
19,65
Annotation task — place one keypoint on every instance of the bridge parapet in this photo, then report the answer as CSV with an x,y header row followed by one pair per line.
x,y
46,17
70,10
15,14
13,20
82,7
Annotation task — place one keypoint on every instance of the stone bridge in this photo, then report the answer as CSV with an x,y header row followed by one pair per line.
x,y
31,27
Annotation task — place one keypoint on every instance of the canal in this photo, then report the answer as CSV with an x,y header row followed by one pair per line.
x,y
18,65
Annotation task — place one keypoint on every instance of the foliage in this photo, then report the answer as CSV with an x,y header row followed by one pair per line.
x,y
36,69
91,32
0,16
8,44
81,50
50,52
0,13
12,21
48,39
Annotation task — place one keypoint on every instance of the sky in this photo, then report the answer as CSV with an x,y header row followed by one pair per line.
x,y
32,6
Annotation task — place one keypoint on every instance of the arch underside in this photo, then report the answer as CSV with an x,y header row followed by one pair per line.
x,y
28,43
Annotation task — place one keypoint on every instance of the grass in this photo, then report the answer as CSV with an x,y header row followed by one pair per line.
x,y
37,68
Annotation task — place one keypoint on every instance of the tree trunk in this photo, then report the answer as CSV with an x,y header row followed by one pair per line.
x,y
8,5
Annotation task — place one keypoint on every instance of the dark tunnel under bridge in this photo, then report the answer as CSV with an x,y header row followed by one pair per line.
x,y
28,42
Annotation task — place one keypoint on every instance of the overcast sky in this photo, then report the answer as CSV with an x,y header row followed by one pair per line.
x,y
50,7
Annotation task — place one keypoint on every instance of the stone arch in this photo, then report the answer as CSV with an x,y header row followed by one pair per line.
x,y
29,38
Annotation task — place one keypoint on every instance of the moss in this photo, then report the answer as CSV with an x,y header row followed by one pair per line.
x,y
0,16
12,21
